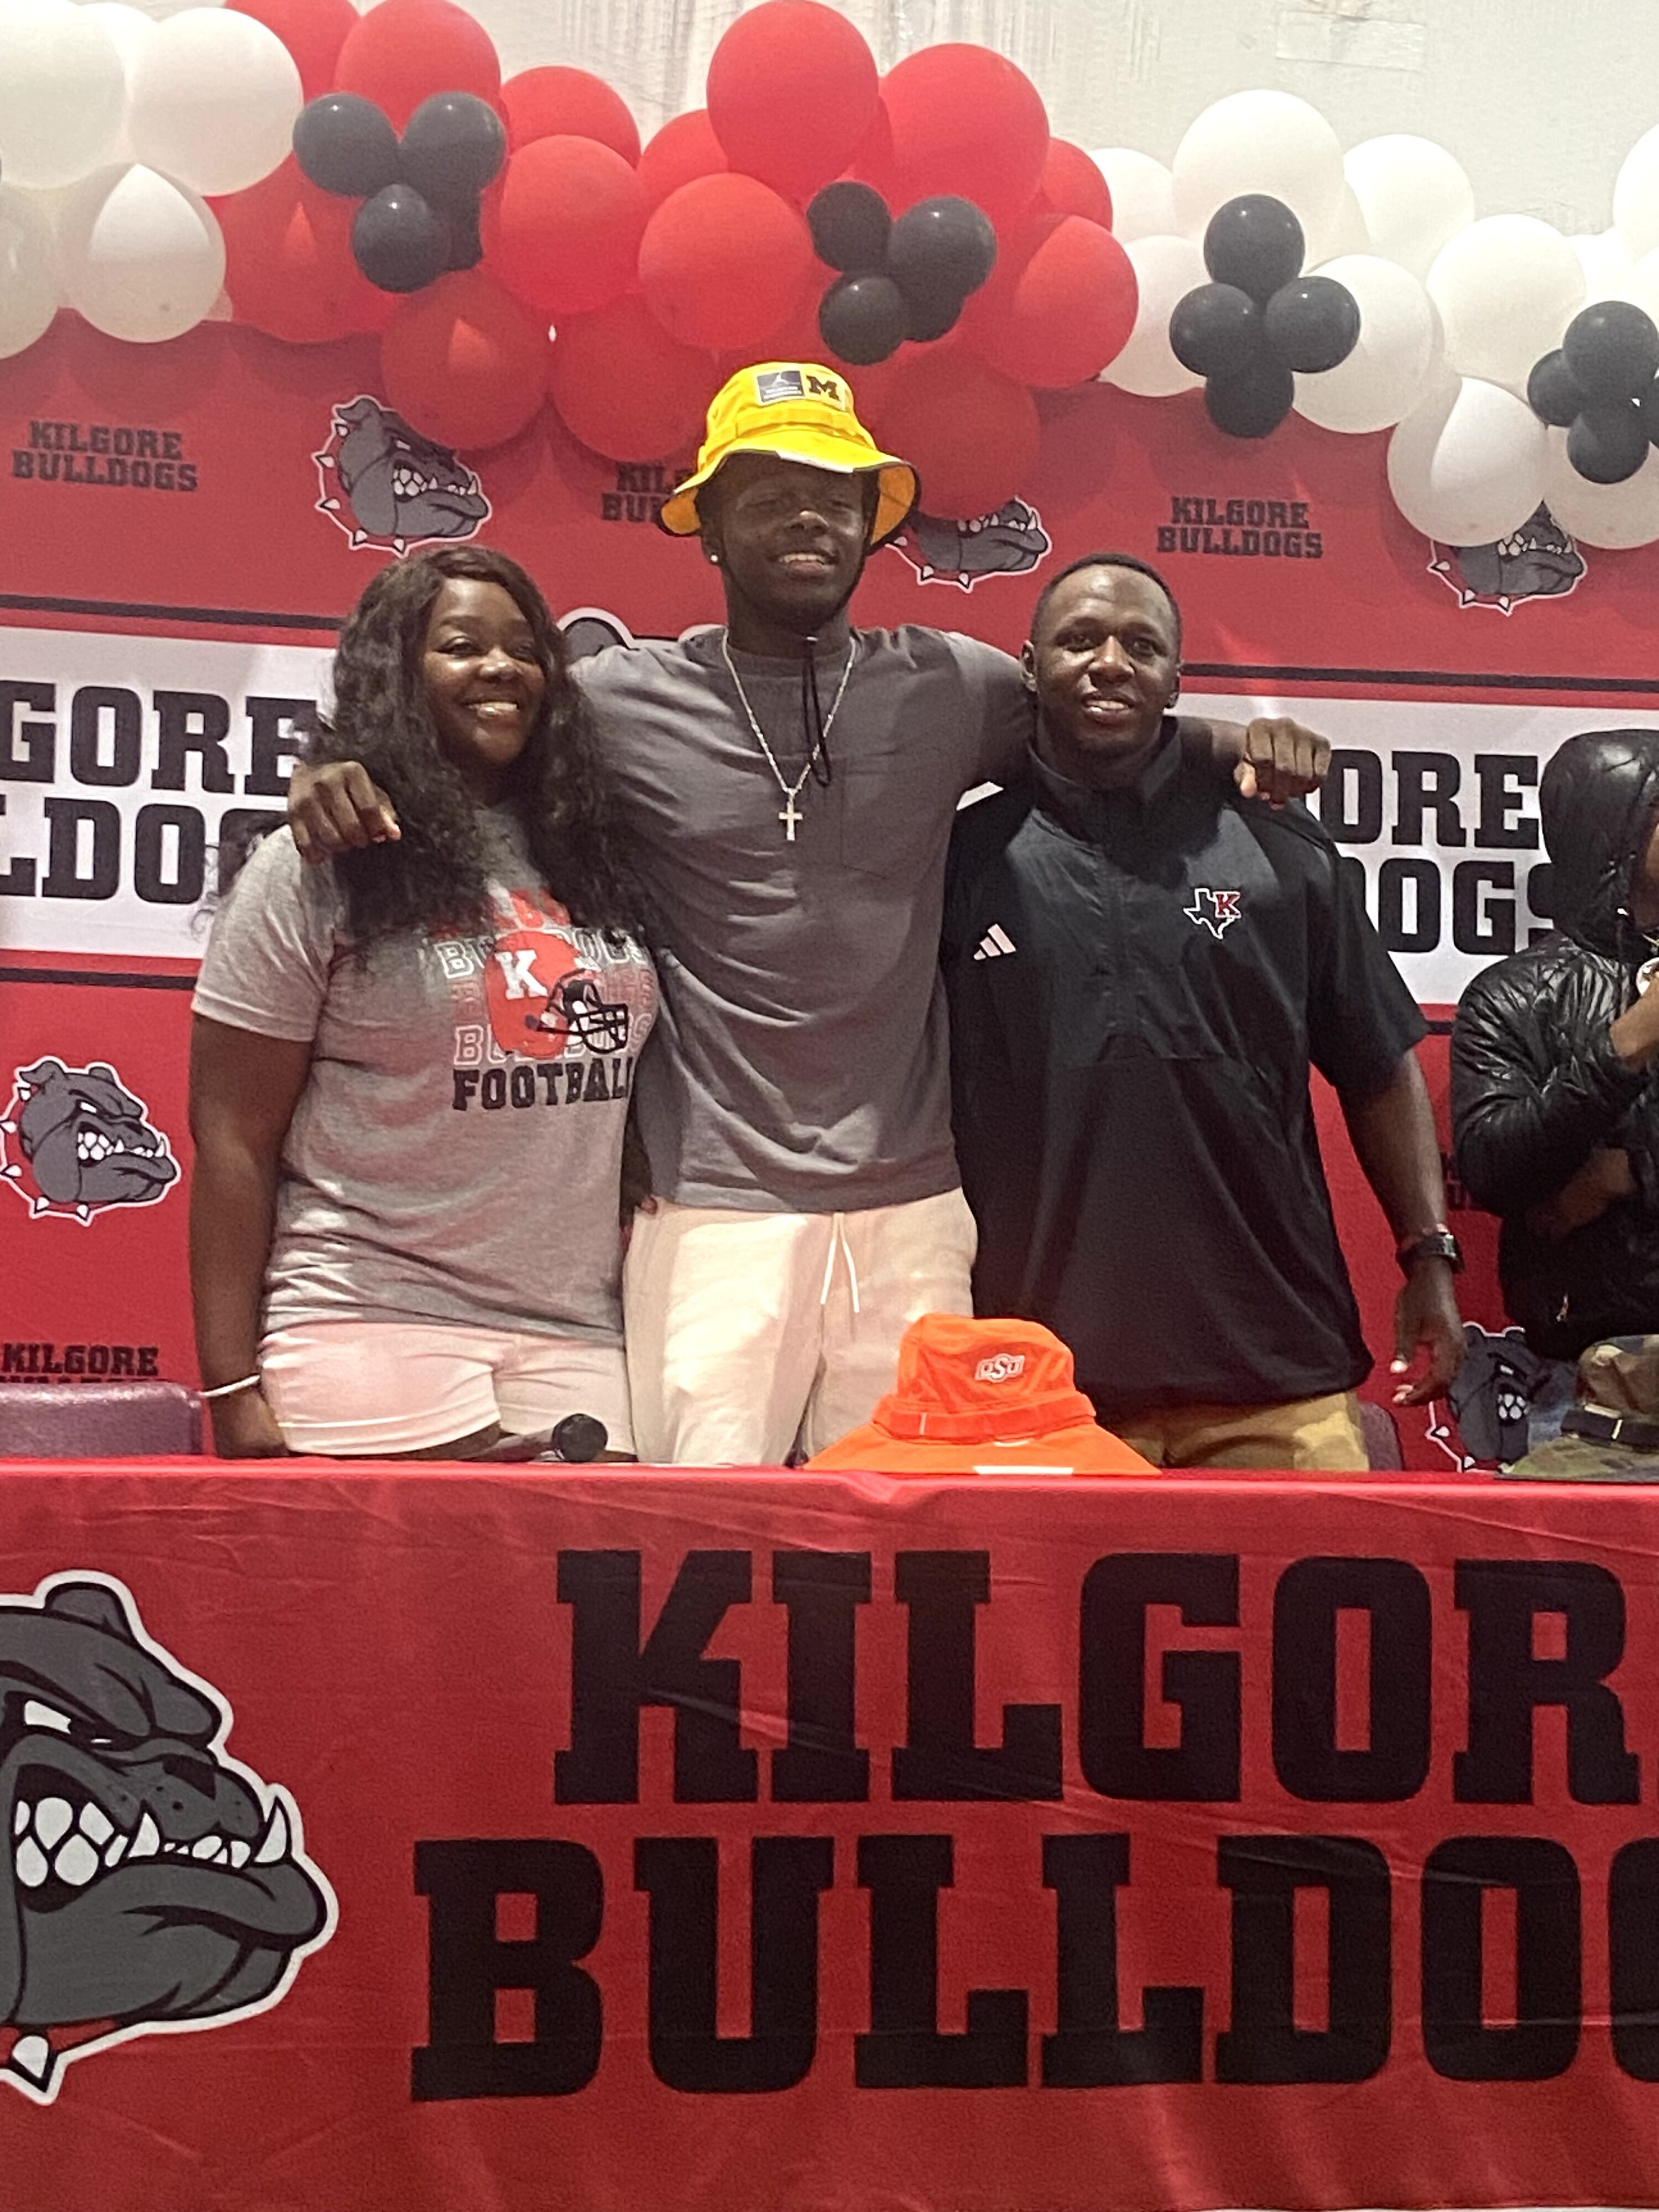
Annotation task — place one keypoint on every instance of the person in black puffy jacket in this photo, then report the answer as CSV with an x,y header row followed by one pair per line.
x,y
1555,1120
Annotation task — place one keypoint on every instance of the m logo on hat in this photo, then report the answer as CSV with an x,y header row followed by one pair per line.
x,y
1001,1367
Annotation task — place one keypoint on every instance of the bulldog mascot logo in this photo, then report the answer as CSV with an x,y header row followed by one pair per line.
x,y
74,1141
388,487
1010,541
151,1884
1539,561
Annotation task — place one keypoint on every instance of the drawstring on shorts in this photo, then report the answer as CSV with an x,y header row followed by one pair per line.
x,y
838,1243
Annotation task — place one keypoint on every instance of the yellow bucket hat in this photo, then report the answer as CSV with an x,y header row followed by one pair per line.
x,y
799,411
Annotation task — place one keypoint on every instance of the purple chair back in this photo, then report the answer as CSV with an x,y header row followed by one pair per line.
x,y
98,1420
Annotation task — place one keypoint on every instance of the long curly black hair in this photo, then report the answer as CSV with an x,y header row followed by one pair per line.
x,y
433,877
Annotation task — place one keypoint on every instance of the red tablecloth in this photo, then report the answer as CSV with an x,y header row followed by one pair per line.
x,y
491,1841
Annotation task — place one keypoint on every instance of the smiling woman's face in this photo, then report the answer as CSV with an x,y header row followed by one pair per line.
x,y
483,680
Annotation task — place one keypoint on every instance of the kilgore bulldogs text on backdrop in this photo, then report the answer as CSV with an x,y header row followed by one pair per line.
x,y
1247,529
105,737
1534,1637
1412,793
116,454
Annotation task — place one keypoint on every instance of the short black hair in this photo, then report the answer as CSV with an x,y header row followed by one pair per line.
x,y
1107,560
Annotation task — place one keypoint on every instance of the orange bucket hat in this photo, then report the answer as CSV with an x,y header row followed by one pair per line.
x,y
983,1397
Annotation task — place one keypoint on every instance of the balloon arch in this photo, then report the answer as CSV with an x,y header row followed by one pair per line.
x,y
319,174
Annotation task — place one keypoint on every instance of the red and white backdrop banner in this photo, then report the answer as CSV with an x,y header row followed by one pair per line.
x,y
488,1840
186,525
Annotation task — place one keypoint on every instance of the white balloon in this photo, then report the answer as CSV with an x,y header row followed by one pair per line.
x,y
1466,466
1609,271
1344,232
29,293
1399,350
132,31
1615,516
1636,197
142,257
1143,193
213,100
61,93
1166,269
1413,195
1259,142
1506,289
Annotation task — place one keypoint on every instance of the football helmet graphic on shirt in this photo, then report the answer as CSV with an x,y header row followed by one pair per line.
x,y
542,994
575,1009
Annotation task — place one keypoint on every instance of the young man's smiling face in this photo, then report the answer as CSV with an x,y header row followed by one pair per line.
x,y
1104,660
790,539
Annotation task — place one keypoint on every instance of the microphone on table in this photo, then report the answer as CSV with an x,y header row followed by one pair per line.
x,y
577,1437
575,1440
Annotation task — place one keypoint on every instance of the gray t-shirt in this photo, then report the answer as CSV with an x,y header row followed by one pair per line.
x,y
456,1152
802,1065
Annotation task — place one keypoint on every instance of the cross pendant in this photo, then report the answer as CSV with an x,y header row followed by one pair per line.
x,y
790,815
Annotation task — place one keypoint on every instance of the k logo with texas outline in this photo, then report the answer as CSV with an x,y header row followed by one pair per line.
x,y
1216,911
149,1883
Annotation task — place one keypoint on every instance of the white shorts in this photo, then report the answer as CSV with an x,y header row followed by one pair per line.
x,y
375,1388
749,1334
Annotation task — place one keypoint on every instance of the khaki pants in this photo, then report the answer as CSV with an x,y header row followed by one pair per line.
x,y
1311,1435
747,1333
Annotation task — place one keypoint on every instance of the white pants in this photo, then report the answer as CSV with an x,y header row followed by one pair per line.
x,y
749,1332
379,1387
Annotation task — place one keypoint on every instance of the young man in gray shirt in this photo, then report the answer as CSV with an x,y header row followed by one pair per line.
x,y
789,785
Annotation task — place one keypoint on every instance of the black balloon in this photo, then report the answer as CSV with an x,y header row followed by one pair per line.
x,y
1553,392
346,145
1312,322
453,146
1256,243
1647,406
1249,402
930,314
398,241
850,225
1613,350
862,318
1608,442
939,247
1215,329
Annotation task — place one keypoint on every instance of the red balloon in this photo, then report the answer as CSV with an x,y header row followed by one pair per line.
x,y
463,362
793,89
314,30
625,388
970,433
966,121
872,158
682,149
562,231
288,265
724,262
1059,304
404,51
567,103
1071,184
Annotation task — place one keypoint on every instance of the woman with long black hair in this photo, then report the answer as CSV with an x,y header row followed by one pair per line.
x,y
411,1069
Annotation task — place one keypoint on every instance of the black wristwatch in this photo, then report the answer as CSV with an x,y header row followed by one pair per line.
x,y
1438,1244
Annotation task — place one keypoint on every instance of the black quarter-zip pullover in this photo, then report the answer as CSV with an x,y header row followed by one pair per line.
x,y
1140,981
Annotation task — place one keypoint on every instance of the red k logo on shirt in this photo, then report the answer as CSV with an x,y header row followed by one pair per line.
x,y
539,993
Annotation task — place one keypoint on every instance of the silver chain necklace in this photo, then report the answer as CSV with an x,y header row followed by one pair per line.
x,y
790,814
